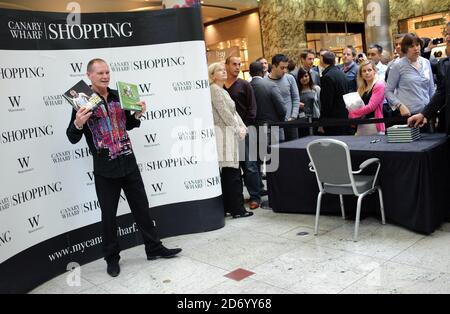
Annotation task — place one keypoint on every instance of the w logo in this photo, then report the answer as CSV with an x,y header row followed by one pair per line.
x,y
157,187
77,67
90,175
151,138
34,221
24,162
145,88
14,100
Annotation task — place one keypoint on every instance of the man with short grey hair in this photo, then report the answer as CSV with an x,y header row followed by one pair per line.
x,y
115,167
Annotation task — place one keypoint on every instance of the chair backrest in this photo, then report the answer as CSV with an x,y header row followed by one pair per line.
x,y
331,161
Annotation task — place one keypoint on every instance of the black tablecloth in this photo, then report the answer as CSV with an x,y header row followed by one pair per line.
x,y
413,178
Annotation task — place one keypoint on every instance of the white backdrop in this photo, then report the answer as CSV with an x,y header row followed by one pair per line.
x,y
46,185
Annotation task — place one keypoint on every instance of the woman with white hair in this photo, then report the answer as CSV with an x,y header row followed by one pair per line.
x,y
229,130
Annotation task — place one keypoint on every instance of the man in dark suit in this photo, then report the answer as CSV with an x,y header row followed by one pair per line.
x,y
441,97
269,102
269,107
334,86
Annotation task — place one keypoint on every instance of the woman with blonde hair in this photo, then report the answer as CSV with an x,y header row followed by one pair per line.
x,y
371,90
229,130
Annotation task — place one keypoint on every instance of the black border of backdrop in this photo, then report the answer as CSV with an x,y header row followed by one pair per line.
x,y
32,267
149,28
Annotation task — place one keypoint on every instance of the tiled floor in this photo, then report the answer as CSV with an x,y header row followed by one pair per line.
x,y
387,259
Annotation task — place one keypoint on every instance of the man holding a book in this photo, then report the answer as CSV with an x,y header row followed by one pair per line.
x,y
115,167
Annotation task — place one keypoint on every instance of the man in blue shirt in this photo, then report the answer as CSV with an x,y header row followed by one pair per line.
x,y
350,68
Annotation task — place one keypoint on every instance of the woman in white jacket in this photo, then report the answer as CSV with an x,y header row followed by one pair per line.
x,y
229,130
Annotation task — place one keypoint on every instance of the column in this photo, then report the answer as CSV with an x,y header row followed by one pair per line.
x,y
377,20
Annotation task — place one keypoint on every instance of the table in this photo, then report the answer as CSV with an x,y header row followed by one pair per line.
x,y
413,177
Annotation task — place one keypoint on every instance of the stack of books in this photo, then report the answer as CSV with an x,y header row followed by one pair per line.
x,y
402,134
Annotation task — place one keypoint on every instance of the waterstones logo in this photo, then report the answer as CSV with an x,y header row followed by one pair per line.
x,y
5,237
56,100
24,30
168,163
15,102
84,208
26,134
202,183
190,85
152,140
157,189
145,89
24,163
77,69
69,155
167,113
196,135
21,73
90,175
35,193
5,203
35,224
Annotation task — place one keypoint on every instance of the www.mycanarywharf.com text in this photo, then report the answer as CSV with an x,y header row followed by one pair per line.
x,y
225,303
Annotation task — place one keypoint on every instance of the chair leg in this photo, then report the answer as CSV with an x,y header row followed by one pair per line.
x,y
383,218
319,201
341,198
358,214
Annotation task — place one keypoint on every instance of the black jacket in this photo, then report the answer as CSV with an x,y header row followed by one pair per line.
x,y
103,165
334,85
441,97
269,102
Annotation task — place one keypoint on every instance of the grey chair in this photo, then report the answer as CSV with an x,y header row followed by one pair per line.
x,y
330,160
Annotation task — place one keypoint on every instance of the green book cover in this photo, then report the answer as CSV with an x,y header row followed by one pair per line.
x,y
129,96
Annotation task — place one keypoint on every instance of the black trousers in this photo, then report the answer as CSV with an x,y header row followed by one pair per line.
x,y
233,200
290,134
108,194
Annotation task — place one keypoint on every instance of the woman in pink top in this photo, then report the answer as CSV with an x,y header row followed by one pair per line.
x,y
371,90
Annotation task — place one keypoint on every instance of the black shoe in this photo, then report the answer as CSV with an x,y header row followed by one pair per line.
x,y
244,214
113,269
163,252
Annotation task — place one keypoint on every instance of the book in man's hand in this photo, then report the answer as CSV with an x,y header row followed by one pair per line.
x,y
129,96
81,95
353,101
